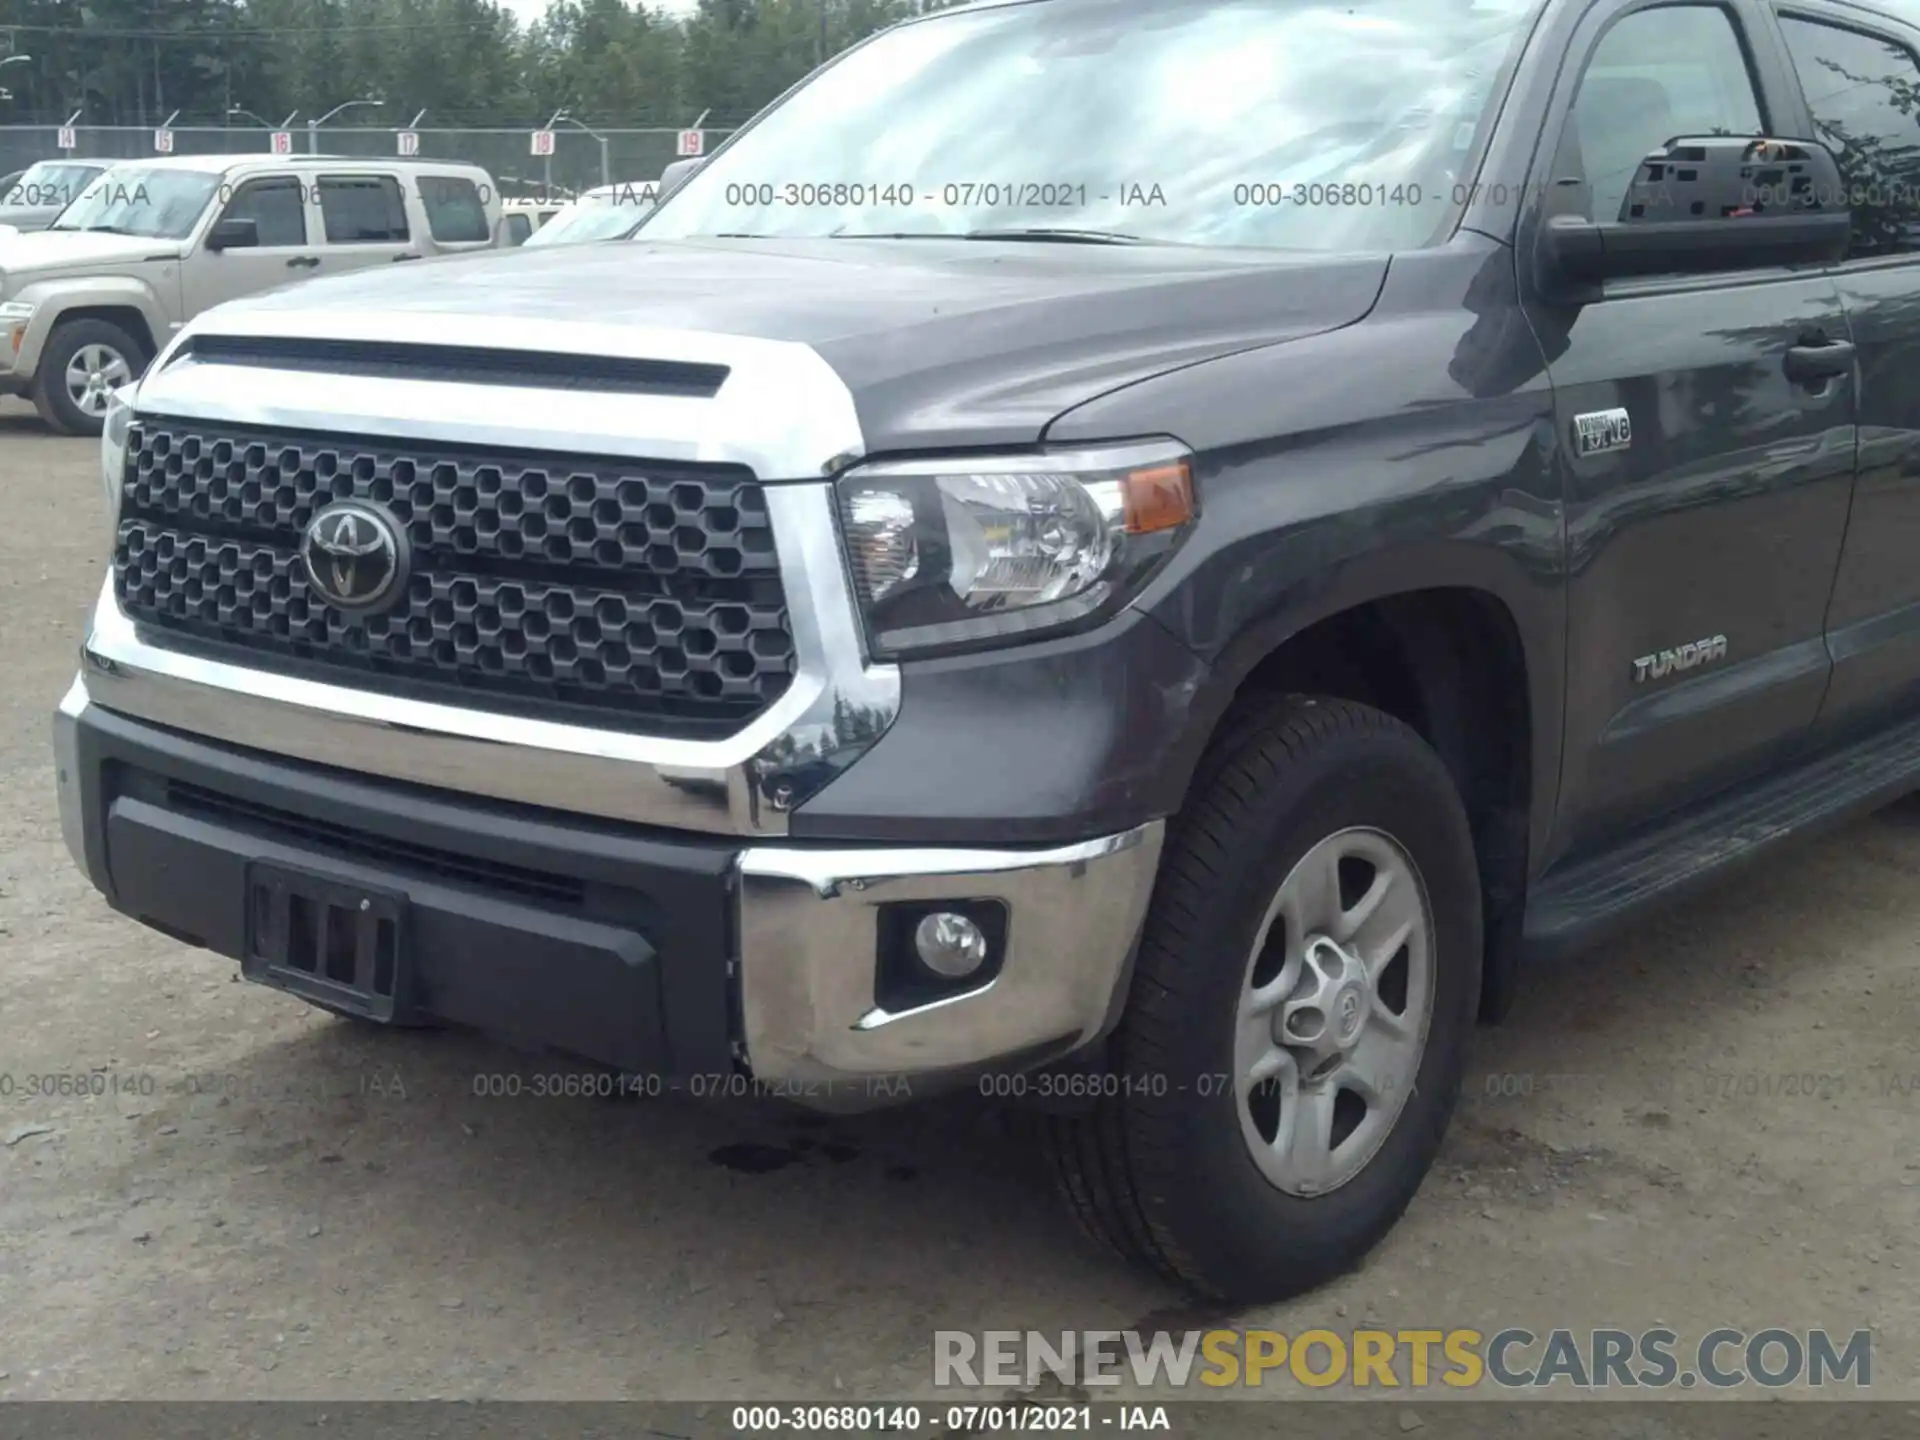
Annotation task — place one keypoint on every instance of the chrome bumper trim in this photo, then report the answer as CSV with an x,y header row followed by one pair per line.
x,y
782,411
808,932
66,774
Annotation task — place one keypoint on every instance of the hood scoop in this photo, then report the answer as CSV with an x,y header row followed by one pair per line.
x,y
460,365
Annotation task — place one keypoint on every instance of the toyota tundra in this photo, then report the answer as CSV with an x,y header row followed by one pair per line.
x,y
1148,557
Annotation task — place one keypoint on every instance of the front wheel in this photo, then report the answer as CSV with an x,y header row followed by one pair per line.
x,y
84,362
1300,1013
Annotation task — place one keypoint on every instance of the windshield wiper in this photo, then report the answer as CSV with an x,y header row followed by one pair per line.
x,y
1061,237
94,229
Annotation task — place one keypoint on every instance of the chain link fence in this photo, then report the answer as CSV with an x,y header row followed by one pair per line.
x,y
580,159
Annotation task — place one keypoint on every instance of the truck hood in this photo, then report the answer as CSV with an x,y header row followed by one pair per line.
x,y
941,342
39,253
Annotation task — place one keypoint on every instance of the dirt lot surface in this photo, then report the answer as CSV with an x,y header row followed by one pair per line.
x,y
279,1205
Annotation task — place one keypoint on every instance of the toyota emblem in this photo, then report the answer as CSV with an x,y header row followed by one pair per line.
x,y
355,556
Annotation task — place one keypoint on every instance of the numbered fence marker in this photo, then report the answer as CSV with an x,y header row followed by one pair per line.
x,y
542,143
282,142
409,142
690,142
67,140
163,142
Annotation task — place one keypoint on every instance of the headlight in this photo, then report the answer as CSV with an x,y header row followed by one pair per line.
x,y
968,552
114,435
14,315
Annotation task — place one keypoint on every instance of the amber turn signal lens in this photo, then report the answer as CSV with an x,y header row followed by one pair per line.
x,y
1160,498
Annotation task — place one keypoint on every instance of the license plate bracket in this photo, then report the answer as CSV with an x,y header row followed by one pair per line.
x,y
330,940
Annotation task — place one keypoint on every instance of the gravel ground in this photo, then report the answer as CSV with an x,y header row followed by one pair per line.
x,y
278,1205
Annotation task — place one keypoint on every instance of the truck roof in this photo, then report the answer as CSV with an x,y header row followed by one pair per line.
x,y
232,162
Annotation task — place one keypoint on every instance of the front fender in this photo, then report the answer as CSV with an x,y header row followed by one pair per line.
x,y
1413,451
57,297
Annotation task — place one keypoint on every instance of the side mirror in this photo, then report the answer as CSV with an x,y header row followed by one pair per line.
x,y
1715,202
234,233
678,171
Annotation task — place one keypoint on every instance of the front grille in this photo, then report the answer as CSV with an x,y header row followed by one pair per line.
x,y
575,585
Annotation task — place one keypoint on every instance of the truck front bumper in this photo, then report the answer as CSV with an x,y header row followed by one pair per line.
x,y
782,967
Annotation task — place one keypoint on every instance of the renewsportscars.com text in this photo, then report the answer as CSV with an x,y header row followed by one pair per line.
x,y
1508,1359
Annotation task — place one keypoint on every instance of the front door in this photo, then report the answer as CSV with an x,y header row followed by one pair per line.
x,y
276,204
1707,487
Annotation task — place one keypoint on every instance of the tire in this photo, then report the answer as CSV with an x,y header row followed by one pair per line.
x,y
98,339
1164,1168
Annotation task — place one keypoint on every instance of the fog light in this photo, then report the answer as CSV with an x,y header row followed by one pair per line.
x,y
927,951
950,944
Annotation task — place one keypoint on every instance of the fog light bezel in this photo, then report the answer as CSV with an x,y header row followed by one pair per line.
x,y
903,981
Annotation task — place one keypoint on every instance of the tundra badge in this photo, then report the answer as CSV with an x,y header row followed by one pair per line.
x,y
1599,431
1684,657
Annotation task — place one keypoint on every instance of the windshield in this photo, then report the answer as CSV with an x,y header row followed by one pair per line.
x,y
1279,123
50,182
142,200
596,217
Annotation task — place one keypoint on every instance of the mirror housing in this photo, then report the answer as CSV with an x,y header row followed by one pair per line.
x,y
1712,202
234,233
679,170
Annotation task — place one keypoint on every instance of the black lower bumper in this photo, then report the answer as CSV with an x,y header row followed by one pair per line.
x,y
596,941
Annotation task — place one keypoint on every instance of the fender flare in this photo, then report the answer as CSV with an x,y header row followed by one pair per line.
x,y
57,298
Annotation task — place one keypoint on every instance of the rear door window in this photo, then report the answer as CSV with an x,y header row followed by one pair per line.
x,y
456,215
363,210
1864,92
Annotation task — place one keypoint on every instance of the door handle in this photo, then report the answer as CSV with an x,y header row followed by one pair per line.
x,y
1815,361
398,258
303,262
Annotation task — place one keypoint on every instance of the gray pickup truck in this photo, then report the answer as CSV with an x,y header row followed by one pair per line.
x,y
959,601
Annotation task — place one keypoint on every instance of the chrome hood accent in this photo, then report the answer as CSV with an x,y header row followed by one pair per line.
x,y
780,410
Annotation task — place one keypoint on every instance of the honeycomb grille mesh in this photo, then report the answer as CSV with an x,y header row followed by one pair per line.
x,y
543,583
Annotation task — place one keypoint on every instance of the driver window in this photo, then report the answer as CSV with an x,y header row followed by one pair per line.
x,y
276,206
1655,75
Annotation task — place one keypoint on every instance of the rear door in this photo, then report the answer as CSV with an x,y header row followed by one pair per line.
x,y
1707,489
363,219
1861,77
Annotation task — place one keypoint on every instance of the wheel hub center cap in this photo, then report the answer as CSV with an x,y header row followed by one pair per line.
x,y
1349,1013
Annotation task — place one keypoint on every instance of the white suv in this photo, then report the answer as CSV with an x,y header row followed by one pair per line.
x,y
87,302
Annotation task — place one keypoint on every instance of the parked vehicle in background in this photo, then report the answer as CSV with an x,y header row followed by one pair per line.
x,y
32,199
606,212
88,301
520,219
